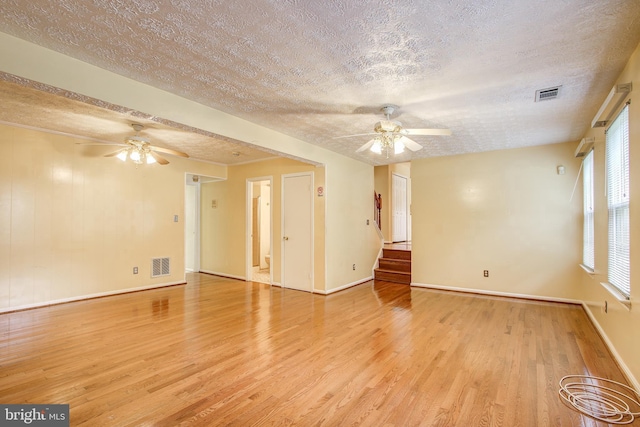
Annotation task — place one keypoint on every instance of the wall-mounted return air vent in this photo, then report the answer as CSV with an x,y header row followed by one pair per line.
x,y
160,267
548,93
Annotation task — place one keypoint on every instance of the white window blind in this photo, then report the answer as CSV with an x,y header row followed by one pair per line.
x,y
588,258
617,164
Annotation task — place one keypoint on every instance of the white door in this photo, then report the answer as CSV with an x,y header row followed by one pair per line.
x,y
399,206
297,236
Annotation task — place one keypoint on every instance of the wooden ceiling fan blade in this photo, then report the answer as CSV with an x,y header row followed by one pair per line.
x,y
357,134
432,132
168,151
410,144
104,144
158,158
366,146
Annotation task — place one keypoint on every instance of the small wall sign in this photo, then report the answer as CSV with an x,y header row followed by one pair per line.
x,y
320,191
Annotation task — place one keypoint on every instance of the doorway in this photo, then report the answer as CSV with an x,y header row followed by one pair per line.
x,y
259,230
297,231
399,207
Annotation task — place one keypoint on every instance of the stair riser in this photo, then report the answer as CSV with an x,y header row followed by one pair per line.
x,y
395,254
393,277
396,265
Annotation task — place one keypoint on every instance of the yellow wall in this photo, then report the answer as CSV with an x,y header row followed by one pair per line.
x,y
504,211
621,326
224,233
73,223
349,239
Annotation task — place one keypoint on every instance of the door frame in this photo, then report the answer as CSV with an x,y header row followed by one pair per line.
x,y
282,219
406,207
248,227
196,219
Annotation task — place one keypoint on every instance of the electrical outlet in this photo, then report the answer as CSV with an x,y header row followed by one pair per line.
x,y
486,273
354,267
135,270
367,222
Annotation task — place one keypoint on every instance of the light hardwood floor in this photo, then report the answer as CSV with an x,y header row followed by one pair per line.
x,y
225,352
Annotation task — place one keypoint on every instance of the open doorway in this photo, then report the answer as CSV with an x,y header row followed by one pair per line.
x,y
259,230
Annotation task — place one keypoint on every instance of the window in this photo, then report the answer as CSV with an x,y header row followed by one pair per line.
x,y
588,259
617,164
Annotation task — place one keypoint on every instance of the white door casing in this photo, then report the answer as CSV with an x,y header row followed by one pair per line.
x,y
249,225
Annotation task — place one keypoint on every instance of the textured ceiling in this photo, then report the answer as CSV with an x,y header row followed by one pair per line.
x,y
316,70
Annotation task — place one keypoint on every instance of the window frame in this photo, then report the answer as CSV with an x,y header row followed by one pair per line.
x,y
588,231
618,197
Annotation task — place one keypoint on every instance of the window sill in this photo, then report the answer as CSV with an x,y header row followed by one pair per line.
x,y
589,270
622,299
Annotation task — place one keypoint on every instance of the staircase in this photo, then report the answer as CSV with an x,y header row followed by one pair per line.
x,y
394,266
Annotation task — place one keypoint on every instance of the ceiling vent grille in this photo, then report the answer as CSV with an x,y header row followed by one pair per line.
x,y
547,94
160,267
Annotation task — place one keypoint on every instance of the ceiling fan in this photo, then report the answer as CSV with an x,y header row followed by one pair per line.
x,y
138,149
390,135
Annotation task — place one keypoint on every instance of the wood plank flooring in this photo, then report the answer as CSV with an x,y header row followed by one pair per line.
x,y
225,352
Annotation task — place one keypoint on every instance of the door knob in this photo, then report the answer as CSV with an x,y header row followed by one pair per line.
x,y
285,238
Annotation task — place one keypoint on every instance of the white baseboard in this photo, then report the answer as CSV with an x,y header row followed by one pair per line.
x,y
497,293
623,366
343,287
90,296
230,276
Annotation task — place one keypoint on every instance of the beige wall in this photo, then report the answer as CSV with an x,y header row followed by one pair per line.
x,y
621,326
349,239
73,223
224,233
348,182
342,237
504,211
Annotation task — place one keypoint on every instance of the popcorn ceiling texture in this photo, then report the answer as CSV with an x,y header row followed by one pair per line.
x,y
320,69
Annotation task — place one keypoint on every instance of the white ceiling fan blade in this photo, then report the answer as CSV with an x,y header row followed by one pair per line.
x,y
357,134
433,132
410,144
366,146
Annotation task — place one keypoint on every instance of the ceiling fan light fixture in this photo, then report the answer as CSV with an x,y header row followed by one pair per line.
x,y
150,159
377,147
122,155
136,157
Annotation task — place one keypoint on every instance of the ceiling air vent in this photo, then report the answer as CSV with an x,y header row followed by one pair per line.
x,y
548,93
